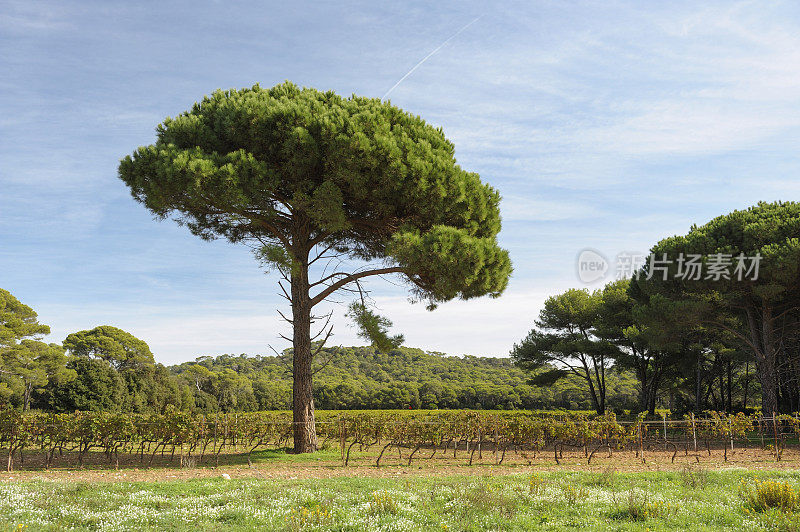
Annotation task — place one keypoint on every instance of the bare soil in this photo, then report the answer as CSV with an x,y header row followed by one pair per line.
x,y
396,465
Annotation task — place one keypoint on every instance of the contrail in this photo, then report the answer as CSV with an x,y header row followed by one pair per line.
x,y
453,36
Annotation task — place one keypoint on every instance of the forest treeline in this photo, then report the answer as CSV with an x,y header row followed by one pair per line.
x,y
365,378
710,321
710,318
108,369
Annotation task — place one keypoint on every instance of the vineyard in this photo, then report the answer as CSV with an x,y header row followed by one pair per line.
x,y
383,437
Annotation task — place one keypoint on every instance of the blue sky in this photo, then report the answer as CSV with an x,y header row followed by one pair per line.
x,y
607,125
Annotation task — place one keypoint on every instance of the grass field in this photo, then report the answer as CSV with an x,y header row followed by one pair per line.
x,y
704,490
692,498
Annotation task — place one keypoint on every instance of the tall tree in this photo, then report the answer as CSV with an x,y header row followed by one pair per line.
x,y
97,387
149,386
565,339
307,176
119,348
647,332
18,321
751,269
26,361
35,364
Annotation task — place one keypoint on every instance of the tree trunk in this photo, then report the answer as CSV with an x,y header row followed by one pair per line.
x,y
746,384
27,397
655,382
304,430
592,391
697,384
730,387
651,409
762,336
602,385
768,380
644,388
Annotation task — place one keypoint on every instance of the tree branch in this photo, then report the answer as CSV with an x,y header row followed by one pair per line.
x,y
350,278
734,332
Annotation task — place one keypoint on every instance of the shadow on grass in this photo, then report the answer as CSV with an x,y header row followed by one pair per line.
x,y
33,460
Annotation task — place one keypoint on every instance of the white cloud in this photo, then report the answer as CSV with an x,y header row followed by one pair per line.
x,y
521,208
176,333
602,120
24,17
668,82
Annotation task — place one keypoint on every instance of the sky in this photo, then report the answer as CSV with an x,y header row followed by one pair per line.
x,y
604,125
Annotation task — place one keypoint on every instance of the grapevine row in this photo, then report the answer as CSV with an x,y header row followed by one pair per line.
x,y
458,432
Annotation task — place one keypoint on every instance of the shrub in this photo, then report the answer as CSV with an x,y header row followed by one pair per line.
x,y
604,479
303,517
536,485
765,495
484,497
573,494
639,507
694,477
382,503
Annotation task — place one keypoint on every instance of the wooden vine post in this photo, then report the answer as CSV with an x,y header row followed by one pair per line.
x,y
641,441
10,464
496,456
342,435
730,431
775,434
